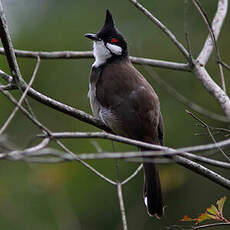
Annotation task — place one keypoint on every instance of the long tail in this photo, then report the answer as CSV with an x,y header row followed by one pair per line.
x,y
152,190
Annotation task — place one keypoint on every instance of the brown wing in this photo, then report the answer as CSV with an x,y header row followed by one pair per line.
x,y
131,101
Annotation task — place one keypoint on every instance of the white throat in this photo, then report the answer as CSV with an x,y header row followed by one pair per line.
x,y
102,52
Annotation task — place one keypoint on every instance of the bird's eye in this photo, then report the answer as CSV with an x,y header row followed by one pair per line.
x,y
113,40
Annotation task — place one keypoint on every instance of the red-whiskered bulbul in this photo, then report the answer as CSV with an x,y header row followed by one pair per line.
x,y
123,99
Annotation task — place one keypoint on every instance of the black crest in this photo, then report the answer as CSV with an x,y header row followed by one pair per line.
x,y
109,31
109,28
109,19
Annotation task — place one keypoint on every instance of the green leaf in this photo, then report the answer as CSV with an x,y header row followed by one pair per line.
x,y
212,210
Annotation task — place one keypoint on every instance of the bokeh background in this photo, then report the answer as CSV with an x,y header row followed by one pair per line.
x,y
67,195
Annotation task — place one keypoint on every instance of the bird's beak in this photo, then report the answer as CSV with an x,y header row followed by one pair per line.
x,y
93,37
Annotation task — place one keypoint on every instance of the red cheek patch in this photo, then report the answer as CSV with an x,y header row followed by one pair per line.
x,y
114,40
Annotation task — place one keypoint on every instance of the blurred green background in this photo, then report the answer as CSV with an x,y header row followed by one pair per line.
x,y
67,195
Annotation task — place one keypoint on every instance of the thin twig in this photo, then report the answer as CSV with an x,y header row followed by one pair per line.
x,y
120,197
163,28
20,154
181,98
210,225
186,30
22,98
8,46
25,112
209,132
225,65
9,50
203,171
97,146
84,163
66,109
132,175
42,127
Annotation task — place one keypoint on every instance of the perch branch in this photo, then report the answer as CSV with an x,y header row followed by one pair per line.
x,y
89,54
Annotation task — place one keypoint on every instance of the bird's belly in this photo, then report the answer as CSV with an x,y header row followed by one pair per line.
x,y
104,114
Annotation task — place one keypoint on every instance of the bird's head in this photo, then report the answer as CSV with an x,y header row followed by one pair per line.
x,y
109,44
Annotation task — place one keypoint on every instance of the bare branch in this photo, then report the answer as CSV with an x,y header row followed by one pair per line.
x,y
207,82
8,46
211,225
102,135
25,112
17,154
37,123
6,77
186,31
161,64
133,174
163,28
181,98
216,27
218,58
21,99
203,171
120,197
89,54
225,65
76,157
197,168
209,132
66,109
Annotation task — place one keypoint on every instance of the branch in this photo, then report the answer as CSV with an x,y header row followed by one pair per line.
x,y
210,85
21,99
172,153
8,46
210,225
66,109
204,125
165,151
133,174
197,168
67,135
198,70
163,28
42,127
120,198
181,98
217,52
89,54
203,171
216,27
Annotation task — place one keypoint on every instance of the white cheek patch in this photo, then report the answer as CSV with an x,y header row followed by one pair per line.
x,y
114,49
146,201
100,52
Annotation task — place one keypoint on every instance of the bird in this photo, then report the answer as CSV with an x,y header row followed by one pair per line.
x,y
123,100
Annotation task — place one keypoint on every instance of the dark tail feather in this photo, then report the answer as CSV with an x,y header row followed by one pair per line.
x,y
152,190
